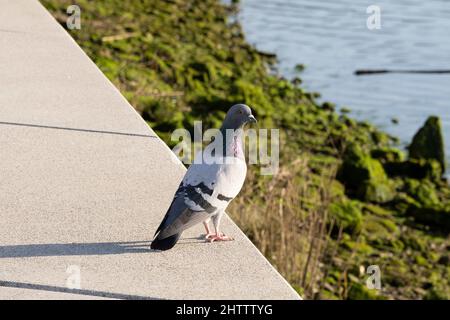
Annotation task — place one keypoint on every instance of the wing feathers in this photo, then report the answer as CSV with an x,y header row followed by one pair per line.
x,y
205,189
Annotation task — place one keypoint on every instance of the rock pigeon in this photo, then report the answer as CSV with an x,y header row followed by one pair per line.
x,y
209,185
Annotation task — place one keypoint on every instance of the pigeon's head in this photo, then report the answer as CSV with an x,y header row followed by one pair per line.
x,y
238,116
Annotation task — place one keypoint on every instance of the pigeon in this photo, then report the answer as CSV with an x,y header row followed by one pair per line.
x,y
208,185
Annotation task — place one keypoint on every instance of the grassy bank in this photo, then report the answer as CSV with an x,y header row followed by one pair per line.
x,y
344,197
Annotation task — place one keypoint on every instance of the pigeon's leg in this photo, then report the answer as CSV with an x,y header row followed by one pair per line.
x,y
218,236
208,234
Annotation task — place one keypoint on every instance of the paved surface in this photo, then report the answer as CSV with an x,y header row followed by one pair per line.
x,y
85,182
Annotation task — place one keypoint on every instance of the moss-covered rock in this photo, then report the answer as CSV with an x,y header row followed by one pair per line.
x,y
337,190
387,154
364,177
414,168
377,227
414,242
347,214
437,217
420,260
376,210
358,291
428,142
437,293
423,192
377,191
403,201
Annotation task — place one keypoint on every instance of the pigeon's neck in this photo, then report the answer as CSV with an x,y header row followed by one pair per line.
x,y
233,143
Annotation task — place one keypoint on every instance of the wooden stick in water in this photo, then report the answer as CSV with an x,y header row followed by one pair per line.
x,y
363,72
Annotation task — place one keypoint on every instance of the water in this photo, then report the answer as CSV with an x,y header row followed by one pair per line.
x,y
331,38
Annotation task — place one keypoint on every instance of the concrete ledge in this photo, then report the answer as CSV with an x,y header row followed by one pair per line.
x,y
85,182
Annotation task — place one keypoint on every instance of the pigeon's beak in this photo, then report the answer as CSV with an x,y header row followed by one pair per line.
x,y
251,118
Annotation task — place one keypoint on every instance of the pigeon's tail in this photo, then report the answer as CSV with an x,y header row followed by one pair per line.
x,y
166,243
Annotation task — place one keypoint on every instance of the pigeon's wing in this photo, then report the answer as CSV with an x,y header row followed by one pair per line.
x,y
206,189
189,205
178,218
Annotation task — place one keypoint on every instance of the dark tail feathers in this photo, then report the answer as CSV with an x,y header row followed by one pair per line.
x,y
166,243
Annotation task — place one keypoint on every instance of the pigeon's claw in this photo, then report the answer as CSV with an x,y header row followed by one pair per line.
x,y
209,235
220,237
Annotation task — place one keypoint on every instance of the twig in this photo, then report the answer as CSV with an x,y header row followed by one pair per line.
x,y
166,94
380,71
121,36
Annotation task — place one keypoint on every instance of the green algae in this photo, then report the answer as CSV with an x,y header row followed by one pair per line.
x,y
428,142
347,214
364,176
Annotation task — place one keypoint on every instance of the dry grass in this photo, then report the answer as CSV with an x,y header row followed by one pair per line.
x,y
286,216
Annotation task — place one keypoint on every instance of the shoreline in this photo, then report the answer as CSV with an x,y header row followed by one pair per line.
x,y
319,76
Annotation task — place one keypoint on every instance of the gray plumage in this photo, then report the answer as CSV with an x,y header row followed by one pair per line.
x,y
208,186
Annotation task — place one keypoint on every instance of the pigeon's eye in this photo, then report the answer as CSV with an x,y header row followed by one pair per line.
x,y
240,111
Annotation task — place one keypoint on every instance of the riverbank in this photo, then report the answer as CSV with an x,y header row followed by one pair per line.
x,y
331,39
344,198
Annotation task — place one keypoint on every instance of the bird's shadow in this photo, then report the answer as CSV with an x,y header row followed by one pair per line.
x,y
83,249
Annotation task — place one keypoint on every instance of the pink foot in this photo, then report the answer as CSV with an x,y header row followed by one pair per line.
x,y
219,237
209,235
